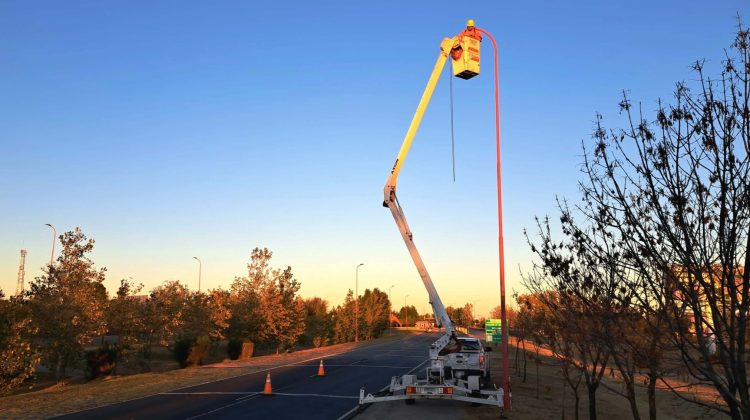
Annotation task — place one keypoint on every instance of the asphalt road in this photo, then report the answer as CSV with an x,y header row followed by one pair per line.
x,y
298,392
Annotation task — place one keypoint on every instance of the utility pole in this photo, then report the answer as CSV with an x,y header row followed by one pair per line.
x,y
21,273
356,302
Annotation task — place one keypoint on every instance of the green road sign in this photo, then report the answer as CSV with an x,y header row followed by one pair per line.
x,y
493,329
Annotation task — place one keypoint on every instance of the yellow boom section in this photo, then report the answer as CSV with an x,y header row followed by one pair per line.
x,y
445,49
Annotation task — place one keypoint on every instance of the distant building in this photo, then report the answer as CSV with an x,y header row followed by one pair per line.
x,y
690,289
425,325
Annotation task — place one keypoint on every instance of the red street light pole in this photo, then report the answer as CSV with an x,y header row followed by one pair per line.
x,y
506,366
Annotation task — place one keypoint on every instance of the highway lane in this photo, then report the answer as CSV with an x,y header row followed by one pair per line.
x,y
298,392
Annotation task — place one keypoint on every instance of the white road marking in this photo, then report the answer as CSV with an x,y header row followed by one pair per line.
x,y
252,394
246,398
356,407
210,393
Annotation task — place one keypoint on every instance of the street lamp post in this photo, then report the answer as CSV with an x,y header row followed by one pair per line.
x,y
54,235
406,311
200,272
473,311
390,309
356,302
501,246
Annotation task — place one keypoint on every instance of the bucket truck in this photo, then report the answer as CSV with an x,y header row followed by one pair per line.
x,y
447,375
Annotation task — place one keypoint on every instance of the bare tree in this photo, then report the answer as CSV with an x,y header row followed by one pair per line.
x,y
674,192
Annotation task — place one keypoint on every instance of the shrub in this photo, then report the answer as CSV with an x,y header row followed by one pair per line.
x,y
320,341
190,351
238,348
143,356
103,361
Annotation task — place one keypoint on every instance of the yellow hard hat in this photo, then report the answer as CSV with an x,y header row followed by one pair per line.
x,y
470,23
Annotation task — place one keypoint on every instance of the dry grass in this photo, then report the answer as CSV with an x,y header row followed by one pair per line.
x,y
550,404
62,399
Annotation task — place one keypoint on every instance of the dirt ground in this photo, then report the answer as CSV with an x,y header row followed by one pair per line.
x,y
545,395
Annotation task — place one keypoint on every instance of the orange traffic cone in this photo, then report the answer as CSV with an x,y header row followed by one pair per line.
x,y
267,389
321,371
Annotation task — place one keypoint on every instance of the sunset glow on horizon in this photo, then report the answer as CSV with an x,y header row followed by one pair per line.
x,y
167,131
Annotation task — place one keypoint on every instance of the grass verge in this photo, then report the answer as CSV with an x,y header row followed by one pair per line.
x,y
544,394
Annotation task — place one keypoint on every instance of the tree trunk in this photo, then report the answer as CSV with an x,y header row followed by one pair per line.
x,y
524,362
592,401
631,399
565,385
652,395
578,402
60,369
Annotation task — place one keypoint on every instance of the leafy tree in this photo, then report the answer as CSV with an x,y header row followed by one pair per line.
x,y
510,313
205,314
460,316
373,306
125,314
282,311
219,313
165,314
264,305
68,303
343,320
244,306
125,319
408,315
18,359
318,323
469,312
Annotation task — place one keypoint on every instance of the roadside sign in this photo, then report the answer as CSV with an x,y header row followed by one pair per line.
x,y
493,329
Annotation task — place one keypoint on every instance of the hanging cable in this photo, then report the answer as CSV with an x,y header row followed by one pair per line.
x,y
453,139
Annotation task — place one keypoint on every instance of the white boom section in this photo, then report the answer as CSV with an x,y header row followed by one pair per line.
x,y
391,201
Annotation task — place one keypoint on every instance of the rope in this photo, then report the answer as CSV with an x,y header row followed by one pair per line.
x,y
453,136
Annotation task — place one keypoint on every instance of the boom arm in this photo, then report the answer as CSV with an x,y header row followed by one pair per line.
x,y
450,374
389,190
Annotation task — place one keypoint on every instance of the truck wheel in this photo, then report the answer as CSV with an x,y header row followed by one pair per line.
x,y
410,401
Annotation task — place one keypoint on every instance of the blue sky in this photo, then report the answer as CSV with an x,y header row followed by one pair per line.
x,y
168,130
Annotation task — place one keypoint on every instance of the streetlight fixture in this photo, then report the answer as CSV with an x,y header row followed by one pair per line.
x,y
390,309
356,302
406,311
200,271
54,235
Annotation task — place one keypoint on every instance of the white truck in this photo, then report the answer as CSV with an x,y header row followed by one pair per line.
x,y
457,368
